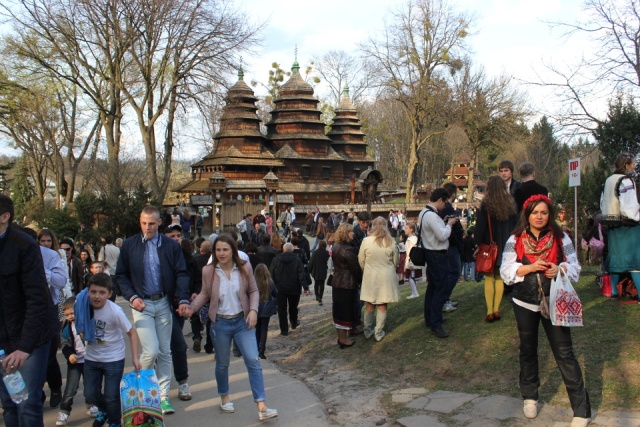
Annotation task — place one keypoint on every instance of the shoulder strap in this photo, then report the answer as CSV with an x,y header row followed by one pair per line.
x,y
619,183
427,209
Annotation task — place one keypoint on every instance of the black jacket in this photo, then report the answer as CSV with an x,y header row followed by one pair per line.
x,y
526,190
288,273
27,316
319,264
469,249
304,245
201,260
457,232
501,231
195,274
267,253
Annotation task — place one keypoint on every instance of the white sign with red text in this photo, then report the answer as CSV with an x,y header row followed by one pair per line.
x,y
574,172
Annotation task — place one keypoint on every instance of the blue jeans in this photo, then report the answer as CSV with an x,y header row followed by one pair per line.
x,y
436,295
470,271
222,332
315,245
179,349
154,327
74,373
109,400
29,412
453,271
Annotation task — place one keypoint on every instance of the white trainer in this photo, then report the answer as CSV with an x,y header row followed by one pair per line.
x,y
183,392
93,411
62,419
530,408
448,307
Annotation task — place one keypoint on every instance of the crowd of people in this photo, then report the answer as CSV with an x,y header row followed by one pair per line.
x,y
230,285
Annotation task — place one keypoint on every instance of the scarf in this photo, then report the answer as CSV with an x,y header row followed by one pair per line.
x,y
546,248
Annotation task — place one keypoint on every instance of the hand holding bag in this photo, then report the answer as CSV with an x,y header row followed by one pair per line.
x,y
487,254
565,307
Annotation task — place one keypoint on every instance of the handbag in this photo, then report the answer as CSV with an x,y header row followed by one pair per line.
x,y
487,254
140,399
416,254
565,307
596,246
604,282
544,299
329,280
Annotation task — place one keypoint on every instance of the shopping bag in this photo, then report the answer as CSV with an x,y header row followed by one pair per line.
x,y
140,399
565,307
604,282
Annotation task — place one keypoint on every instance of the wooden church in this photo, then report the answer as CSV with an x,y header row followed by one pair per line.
x,y
295,163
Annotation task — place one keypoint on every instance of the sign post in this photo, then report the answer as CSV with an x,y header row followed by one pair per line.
x,y
574,181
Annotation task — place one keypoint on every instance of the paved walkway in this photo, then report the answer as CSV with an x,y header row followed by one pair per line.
x,y
451,409
296,404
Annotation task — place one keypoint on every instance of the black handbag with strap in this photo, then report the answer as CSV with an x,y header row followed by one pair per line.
x,y
417,255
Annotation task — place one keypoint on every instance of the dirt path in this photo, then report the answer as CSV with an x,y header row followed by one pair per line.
x,y
349,399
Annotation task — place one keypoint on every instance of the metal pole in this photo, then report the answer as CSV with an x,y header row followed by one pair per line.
x,y
575,216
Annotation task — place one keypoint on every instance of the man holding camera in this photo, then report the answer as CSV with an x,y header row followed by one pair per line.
x,y
456,246
435,240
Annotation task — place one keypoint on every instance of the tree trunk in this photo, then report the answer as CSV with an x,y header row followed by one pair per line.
x,y
411,170
470,183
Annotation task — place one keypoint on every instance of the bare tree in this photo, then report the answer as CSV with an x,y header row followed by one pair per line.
x,y
83,43
338,70
489,110
424,39
612,67
177,49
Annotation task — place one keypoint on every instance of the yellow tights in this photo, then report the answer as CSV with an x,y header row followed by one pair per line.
x,y
493,290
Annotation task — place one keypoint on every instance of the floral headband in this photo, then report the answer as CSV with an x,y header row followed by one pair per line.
x,y
536,198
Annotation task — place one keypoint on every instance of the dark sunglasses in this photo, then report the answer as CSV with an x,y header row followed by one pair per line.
x,y
66,249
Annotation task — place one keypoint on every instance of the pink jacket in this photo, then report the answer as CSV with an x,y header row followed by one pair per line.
x,y
248,293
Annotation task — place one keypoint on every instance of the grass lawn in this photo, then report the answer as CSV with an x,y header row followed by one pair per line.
x,y
483,358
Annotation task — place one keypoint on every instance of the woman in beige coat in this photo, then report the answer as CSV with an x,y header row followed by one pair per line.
x,y
378,258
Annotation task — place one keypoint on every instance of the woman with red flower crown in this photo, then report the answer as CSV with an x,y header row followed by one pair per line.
x,y
533,256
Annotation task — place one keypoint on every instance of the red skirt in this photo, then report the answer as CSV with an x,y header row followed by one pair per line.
x,y
416,273
403,259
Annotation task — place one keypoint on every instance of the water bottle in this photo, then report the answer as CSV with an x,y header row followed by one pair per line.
x,y
14,383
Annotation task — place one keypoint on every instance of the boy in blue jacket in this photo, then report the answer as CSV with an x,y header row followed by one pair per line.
x,y
73,350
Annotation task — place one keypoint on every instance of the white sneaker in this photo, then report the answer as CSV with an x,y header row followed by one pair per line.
x,y
448,307
412,296
183,392
530,408
62,419
583,422
453,303
269,413
93,411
